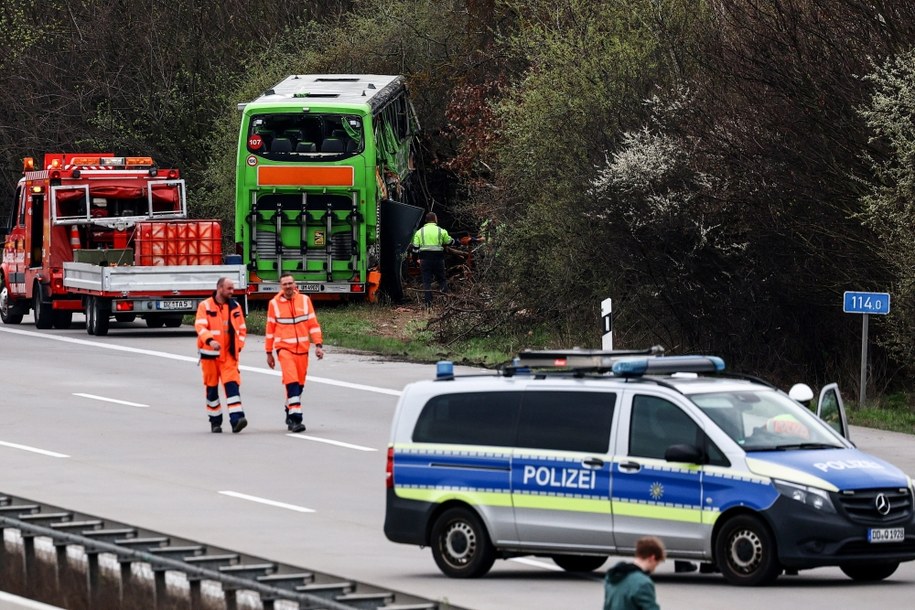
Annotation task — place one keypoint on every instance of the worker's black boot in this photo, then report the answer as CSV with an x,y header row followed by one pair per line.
x,y
216,424
239,424
294,423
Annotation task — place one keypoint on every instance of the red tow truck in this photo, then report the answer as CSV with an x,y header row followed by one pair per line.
x,y
108,236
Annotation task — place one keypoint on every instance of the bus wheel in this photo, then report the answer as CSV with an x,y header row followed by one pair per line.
x,y
579,563
41,309
870,572
10,310
460,544
745,552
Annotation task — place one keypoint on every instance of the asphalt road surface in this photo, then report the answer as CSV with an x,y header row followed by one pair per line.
x,y
115,426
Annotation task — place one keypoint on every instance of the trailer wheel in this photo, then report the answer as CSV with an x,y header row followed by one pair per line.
x,y
125,317
90,315
154,321
41,309
173,321
61,319
10,310
101,313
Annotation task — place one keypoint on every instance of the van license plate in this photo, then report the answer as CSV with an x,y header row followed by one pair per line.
x,y
309,287
174,305
888,534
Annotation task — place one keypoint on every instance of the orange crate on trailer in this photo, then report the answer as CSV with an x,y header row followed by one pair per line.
x,y
185,242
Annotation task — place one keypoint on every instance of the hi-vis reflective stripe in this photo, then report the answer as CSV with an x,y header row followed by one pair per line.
x,y
293,340
578,505
208,352
295,320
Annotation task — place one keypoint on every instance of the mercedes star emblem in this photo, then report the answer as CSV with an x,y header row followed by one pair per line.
x,y
882,504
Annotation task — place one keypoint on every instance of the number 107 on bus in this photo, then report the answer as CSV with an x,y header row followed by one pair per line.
x,y
867,302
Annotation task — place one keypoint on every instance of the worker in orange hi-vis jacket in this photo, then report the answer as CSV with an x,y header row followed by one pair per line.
x,y
292,326
221,331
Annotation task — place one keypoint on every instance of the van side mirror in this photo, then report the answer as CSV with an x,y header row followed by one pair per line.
x,y
800,392
689,454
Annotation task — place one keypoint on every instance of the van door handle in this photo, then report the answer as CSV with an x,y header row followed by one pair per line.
x,y
630,466
593,463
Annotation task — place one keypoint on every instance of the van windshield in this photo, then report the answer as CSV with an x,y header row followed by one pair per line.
x,y
765,420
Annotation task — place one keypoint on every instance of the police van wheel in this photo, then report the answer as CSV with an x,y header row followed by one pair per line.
x,y
745,552
460,544
579,563
870,572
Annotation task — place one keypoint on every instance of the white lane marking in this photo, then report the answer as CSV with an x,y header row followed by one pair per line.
x,y
103,399
34,450
148,352
21,602
537,564
305,437
299,509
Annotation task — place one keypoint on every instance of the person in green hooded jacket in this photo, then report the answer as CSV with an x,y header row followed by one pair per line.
x,y
628,586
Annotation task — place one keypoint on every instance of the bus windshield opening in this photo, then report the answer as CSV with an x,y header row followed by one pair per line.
x,y
305,136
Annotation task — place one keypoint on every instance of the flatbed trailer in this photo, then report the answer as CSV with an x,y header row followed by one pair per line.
x,y
160,294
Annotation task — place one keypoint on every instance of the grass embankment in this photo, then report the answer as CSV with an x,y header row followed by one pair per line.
x,y
401,332
895,412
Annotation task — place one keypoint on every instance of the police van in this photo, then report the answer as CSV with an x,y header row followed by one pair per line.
x,y
575,455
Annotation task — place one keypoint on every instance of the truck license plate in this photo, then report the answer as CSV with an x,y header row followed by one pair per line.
x,y
174,305
309,287
887,534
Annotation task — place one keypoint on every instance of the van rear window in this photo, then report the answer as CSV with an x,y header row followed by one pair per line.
x,y
475,418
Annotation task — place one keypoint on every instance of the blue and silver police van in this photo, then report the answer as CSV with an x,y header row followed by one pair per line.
x,y
575,455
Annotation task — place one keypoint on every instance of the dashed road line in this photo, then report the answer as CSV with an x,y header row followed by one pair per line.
x,y
328,441
114,400
34,450
241,496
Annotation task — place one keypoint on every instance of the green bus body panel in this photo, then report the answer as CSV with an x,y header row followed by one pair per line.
x,y
361,254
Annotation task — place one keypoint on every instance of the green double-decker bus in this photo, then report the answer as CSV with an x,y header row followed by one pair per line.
x,y
323,185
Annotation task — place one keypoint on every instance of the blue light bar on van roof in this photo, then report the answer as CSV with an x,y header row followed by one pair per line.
x,y
444,369
667,365
578,358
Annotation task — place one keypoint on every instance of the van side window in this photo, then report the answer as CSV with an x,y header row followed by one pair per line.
x,y
657,424
474,418
566,421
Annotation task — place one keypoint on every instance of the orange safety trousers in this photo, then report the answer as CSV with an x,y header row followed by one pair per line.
x,y
226,371
294,368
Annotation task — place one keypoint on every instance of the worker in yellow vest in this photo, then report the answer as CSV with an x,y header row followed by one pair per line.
x,y
429,244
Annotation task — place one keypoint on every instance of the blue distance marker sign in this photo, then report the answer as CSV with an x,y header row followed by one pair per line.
x,y
867,302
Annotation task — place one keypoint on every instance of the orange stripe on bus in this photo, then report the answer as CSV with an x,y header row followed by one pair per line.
x,y
304,176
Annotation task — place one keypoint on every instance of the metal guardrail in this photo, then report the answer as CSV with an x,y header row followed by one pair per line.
x,y
234,571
